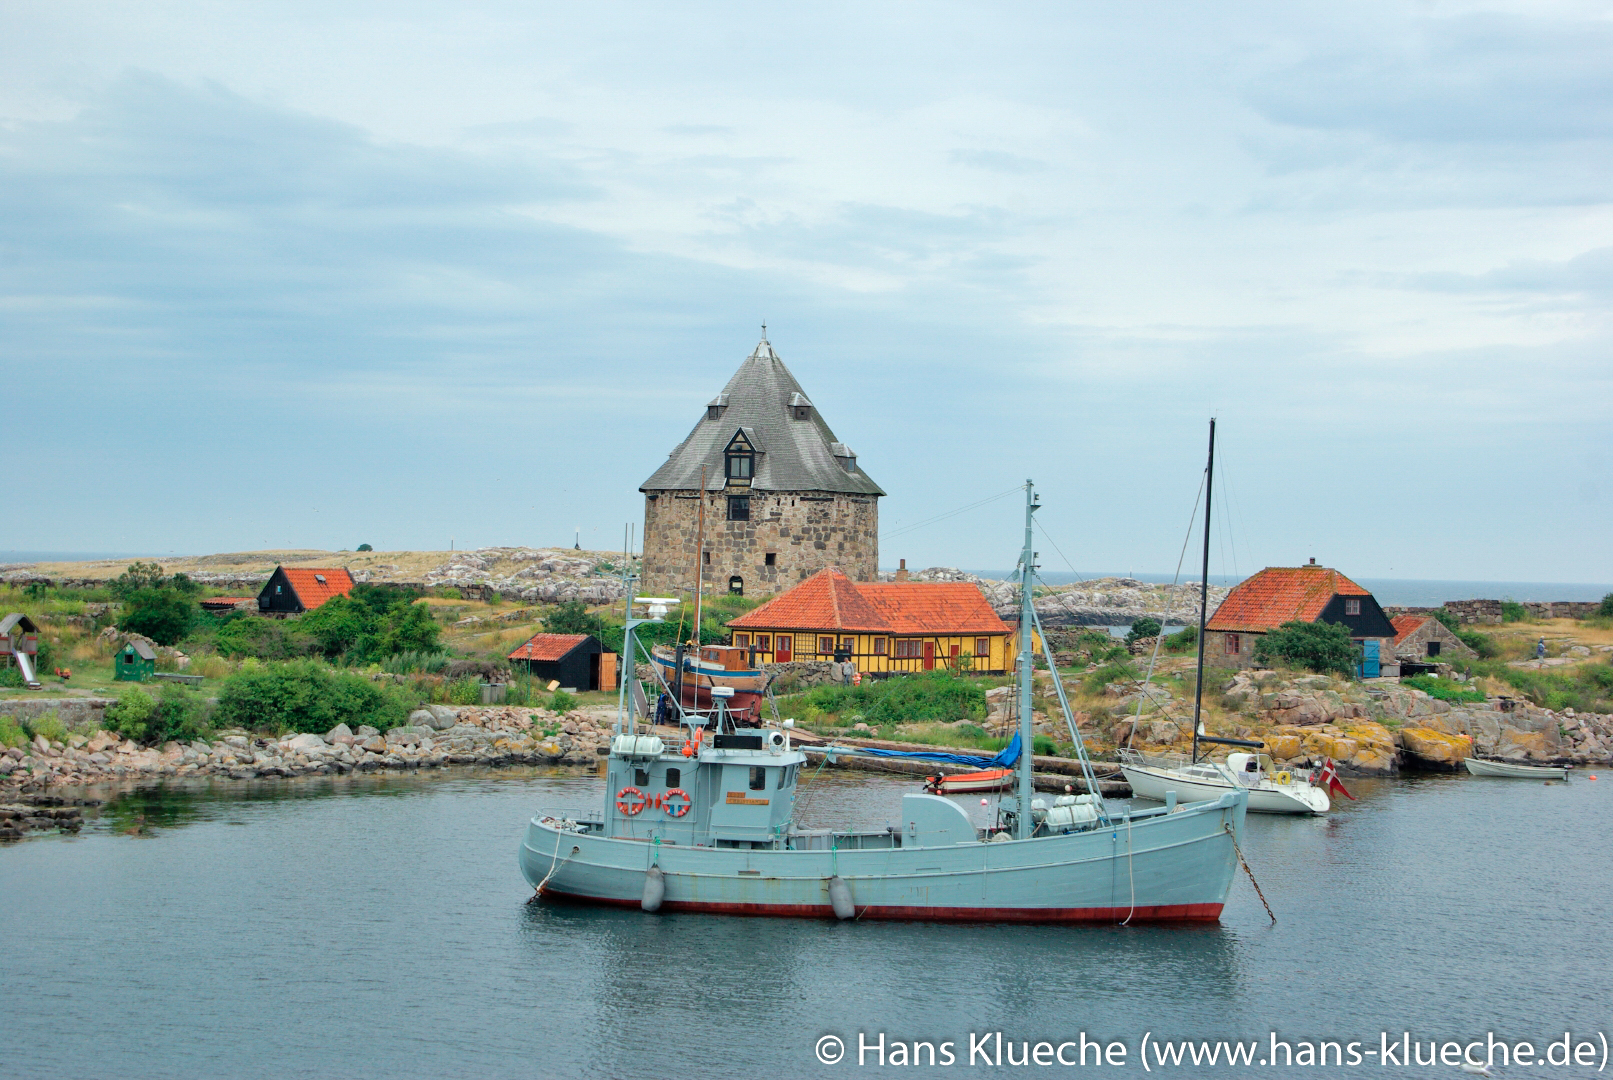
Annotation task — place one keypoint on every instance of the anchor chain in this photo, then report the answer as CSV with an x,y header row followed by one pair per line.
x,y
1245,864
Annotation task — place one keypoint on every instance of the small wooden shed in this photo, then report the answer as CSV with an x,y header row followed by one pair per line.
x,y
575,660
135,663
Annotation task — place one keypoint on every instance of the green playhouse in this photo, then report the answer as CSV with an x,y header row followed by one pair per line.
x,y
136,663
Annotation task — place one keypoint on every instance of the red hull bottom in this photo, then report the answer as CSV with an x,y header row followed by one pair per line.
x,y
1175,913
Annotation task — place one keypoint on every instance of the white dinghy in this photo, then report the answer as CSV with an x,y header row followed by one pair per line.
x,y
1510,770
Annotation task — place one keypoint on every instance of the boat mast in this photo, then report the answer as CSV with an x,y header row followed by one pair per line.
x,y
1204,591
1023,825
699,559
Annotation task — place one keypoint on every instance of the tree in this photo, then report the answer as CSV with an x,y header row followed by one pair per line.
x,y
365,547
138,576
163,615
1322,647
1606,607
573,617
1147,626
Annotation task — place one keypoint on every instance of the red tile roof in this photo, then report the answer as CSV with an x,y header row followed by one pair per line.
x,y
1406,624
1279,594
313,592
829,600
543,647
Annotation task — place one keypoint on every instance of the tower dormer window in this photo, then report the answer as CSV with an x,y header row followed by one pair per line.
x,y
739,459
716,407
800,407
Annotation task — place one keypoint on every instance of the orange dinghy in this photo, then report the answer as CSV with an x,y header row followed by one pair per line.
x,y
957,783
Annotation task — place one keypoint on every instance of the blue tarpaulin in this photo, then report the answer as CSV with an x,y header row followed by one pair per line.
x,y
1009,755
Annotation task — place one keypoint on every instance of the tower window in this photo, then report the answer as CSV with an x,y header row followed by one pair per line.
x,y
705,557
772,558
739,508
736,585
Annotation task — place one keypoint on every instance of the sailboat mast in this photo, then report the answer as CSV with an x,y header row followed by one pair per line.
x,y
1023,825
1204,591
700,558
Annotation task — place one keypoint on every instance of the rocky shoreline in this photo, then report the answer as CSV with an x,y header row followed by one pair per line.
x,y
436,736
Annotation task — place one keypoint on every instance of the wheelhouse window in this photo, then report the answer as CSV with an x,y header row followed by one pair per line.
x,y
739,508
674,778
758,778
1352,607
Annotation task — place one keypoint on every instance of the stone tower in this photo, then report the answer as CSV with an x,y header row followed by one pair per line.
x,y
783,497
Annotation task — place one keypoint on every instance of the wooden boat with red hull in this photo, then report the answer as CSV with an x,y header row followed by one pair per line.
x,y
714,665
963,783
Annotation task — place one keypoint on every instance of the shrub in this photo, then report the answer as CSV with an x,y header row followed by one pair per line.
x,y
1095,682
1443,689
411,660
1147,626
465,692
931,696
364,547
1449,620
562,702
1479,643
1184,640
10,675
266,639
307,696
163,615
1512,611
573,617
11,733
1321,647
176,713
130,716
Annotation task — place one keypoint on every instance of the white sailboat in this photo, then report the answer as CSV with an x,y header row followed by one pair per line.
x,y
1173,777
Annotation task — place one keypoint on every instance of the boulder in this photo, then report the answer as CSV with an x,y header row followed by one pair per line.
x,y
339,732
306,743
1518,745
1437,748
1283,747
443,717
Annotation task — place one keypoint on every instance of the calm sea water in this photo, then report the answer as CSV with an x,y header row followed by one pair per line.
x,y
1402,592
378,927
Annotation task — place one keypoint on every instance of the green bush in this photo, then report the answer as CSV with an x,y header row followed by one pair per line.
x,y
1482,644
1147,626
1184,640
163,615
11,733
1512,611
266,639
931,696
371,625
1443,689
410,661
1321,647
10,675
176,713
304,695
465,692
1448,618
1097,680
364,547
1605,608
562,702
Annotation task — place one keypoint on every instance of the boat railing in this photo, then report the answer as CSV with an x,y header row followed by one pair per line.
x,y
579,815
1158,760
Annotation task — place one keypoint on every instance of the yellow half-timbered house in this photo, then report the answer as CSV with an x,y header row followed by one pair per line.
x,y
883,626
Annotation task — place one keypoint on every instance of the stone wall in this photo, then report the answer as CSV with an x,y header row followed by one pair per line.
x,y
1488,612
77,714
804,532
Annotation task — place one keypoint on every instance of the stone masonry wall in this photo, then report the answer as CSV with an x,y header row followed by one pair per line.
x,y
804,531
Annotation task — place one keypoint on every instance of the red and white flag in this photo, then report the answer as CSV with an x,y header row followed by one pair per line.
x,y
1329,778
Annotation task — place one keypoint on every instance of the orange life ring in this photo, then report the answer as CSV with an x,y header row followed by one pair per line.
x,y
630,808
680,811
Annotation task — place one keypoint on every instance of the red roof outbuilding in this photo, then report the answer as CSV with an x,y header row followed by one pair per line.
x,y
542,648
315,585
1280,594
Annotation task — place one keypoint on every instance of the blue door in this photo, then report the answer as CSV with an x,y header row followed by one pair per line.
x,y
1369,660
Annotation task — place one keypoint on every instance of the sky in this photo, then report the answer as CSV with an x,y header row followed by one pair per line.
x,y
284,275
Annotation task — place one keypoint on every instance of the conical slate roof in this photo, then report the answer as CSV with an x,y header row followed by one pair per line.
x,y
792,455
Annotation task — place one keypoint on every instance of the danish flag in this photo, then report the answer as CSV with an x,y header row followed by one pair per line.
x,y
1328,778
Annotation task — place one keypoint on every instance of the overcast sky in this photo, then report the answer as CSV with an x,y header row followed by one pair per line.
x,y
315,275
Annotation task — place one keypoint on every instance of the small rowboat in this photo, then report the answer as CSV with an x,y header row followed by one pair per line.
x,y
1480,767
957,783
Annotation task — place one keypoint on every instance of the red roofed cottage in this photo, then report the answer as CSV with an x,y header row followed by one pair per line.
x,y
881,626
294,590
1280,594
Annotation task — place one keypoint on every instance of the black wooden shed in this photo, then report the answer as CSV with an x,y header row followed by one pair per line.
x,y
573,659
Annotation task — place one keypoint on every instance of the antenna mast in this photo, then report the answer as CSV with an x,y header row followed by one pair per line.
x,y
700,557
1204,591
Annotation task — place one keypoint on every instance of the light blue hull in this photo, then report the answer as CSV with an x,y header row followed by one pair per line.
x,y
1161,867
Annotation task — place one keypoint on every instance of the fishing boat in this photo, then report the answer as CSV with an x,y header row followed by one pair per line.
x,y
692,672
1173,776
964,783
1513,771
706,823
